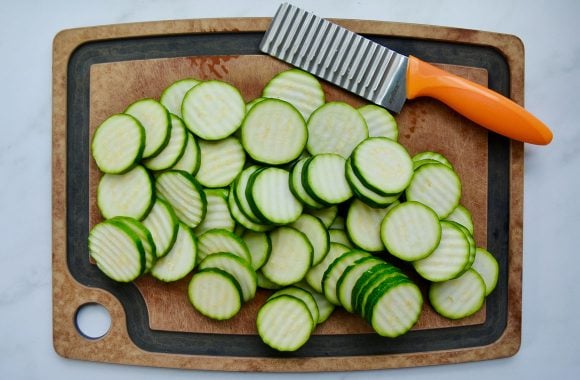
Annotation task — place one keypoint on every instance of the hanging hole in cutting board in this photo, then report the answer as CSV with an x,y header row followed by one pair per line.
x,y
92,321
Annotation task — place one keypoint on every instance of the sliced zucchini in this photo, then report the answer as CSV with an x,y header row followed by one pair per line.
x,y
335,127
379,121
290,258
172,96
382,165
316,233
220,240
395,308
184,194
410,231
253,102
146,239
241,218
366,195
274,132
259,246
215,294
155,120
284,323
363,224
174,149
326,214
368,281
118,144
350,276
117,251
297,187
450,257
325,308
237,267
180,260
324,179
270,198
304,296
462,216
335,270
163,224
487,267
428,155
264,283
437,186
341,237
128,194
460,297
218,213
221,162
190,161
314,275
298,88
213,110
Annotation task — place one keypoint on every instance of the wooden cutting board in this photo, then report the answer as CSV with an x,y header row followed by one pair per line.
x,y
99,71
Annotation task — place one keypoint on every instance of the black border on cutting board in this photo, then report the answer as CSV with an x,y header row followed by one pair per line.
x,y
224,345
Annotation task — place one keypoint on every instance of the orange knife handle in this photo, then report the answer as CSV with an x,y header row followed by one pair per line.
x,y
478,103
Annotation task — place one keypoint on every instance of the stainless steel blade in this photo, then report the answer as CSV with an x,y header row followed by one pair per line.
x,y
337,55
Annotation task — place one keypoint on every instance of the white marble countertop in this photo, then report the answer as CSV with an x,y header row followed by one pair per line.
x,y
551,304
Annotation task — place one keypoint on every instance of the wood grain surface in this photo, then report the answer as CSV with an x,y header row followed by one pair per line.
x,y
424,124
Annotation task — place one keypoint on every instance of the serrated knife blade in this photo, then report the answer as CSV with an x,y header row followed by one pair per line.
x,y
387,78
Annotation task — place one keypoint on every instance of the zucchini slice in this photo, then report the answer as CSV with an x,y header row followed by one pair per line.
x,y
316,233
410,231
163,224
184,194
270,198
486,265
191,158
117,250
144,236
237,267
274,132
221,162
437,186
303,295
218,213
324,179
363,224
379,121
172,96
215,294
128,194
221,240
174,149
450,257
259,245
284,323
350,276
180,260
290,258
213,110
314,275
297,187
297,87
335,271
325,308
382,165
335,127
394,308
118,144
155,120
459,297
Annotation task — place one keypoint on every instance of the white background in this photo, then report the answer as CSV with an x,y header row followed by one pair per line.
x,y
551,304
